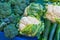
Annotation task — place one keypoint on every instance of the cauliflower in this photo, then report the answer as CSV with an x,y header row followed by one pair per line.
x,y
30,26
34,9
53,12
28,20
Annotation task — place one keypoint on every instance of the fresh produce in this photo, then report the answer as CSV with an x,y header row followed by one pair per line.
x,y
5,10
54,26
30,26
47,29
52,14
30,18
11,12
18,6
10,31
57,35
35,10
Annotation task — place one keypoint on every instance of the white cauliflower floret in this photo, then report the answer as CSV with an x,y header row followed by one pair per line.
x,y
26,21
50,8
21,26
57,10
33,20
53,11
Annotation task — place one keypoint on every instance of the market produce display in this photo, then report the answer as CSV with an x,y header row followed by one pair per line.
x,y
30,18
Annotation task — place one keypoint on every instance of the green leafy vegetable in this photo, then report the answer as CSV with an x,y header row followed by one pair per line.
x,y
10,31
35,10
5,10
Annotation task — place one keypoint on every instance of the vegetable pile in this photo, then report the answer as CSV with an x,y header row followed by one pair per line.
x,y
30,18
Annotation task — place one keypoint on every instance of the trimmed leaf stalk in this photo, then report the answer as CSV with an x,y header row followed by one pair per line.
x,y
47,29
52,31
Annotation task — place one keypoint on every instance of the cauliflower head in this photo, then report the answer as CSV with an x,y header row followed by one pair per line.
x,y
34,9
53,13
30,26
